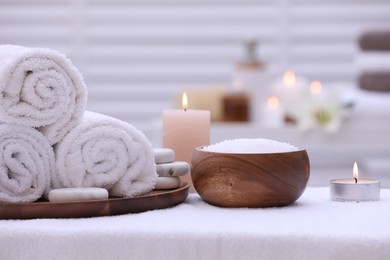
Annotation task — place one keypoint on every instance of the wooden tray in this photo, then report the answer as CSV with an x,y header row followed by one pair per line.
x,y
44,209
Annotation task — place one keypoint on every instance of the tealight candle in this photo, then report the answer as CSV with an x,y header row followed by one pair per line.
x,y
354,189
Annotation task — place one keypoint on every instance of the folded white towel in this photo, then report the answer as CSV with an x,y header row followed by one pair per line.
x,y
40,88
26,163
372,61
105,152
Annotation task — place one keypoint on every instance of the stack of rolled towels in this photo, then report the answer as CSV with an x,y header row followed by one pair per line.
x,y
373,61
48,141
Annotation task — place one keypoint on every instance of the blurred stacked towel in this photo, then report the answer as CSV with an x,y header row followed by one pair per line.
x,y
374,61
27,160
375,40
375,81
40,88
108,153
41,91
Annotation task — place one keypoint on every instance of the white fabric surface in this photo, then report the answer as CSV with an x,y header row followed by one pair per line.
x,y
312,228
26,163
108,153
40,88
373,61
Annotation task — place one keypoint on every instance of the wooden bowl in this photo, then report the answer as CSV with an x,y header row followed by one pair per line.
x,y
250,180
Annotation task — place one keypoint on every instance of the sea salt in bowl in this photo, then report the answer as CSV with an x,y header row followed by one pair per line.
x,y
250,173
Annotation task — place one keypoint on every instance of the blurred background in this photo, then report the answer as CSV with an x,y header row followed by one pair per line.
x,y
138,56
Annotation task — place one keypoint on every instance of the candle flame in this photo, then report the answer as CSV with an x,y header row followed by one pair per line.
x,y
355,171
289,78
316,87
273,102
238,84
185,101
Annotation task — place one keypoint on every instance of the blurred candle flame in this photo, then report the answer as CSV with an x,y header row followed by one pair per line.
x,y
238,85
315,87
289,78
273,102
185,101
355,171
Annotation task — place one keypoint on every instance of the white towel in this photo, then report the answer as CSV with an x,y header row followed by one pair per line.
x,y
26,163
105,152
40,88
314,227
372,61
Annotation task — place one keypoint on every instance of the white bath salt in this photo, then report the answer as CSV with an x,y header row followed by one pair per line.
x,y
245,145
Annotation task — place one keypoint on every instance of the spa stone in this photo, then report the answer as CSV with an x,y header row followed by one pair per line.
x,y
165,183
173,169
164,155
77,194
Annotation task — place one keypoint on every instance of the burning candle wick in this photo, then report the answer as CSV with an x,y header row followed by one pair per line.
x,y
355,172
184,101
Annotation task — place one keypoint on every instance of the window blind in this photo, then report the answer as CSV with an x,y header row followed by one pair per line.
x,y
136,55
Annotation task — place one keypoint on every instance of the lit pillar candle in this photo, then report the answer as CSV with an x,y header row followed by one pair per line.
x,y
184,130
354,189
316,87
290,91
318,95
272,113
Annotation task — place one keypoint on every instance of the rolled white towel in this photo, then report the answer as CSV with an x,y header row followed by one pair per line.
x,y
40,88
26,163
108,153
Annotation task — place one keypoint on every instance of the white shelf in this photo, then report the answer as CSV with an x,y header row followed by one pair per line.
x,y
331,155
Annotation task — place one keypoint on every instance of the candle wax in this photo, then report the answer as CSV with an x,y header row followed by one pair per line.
x,y
352,181
183,131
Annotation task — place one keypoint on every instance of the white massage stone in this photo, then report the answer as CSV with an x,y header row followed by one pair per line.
x,y
164,155
77,194
173,169
165,183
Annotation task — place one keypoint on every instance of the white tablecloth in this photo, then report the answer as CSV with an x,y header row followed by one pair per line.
x,y
312,228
